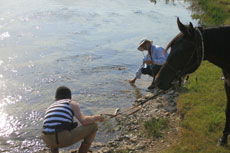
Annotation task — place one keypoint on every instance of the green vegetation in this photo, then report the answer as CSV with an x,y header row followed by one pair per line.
x,y
121,151
212,12
154,126
202,106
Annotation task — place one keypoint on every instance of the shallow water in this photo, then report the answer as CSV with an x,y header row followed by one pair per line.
x,y
89,46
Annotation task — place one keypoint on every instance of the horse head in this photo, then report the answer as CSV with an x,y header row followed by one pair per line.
x,y
184,58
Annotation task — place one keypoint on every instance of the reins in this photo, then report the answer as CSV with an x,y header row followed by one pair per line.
x,y
202,46
136,107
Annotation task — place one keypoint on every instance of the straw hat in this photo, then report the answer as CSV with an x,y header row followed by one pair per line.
x,y
141,43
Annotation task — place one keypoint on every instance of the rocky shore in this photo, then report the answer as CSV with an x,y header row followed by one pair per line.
x,y
132,138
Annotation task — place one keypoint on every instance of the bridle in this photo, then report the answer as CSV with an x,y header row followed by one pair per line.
x,y
199,58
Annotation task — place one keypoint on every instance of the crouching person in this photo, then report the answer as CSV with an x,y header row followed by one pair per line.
x,y
59,129
152,62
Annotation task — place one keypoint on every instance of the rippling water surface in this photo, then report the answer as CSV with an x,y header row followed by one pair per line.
x,y
87,45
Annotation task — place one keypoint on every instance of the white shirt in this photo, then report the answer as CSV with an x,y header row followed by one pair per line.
x,y
156,55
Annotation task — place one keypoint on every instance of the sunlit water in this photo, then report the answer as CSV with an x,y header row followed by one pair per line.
x,y
87,45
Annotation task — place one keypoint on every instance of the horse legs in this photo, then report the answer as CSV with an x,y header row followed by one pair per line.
x,y
224,139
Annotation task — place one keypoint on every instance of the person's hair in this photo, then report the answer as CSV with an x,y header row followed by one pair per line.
x,y
62,93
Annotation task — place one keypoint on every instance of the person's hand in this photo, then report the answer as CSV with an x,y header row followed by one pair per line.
x,y
132,81
100,118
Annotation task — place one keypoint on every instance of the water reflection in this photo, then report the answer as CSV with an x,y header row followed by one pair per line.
x,y
8,125
138,92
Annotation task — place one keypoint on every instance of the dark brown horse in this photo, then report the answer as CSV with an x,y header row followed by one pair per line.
x,y
188,49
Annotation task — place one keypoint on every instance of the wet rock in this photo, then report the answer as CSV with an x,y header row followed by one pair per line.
x,y
148,95
140,100
166,96
171,92
171,109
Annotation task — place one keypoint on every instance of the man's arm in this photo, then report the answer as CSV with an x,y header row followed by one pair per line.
x,y
148,62
84,120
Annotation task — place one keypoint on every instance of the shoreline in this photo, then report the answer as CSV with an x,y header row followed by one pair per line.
x,y
131,136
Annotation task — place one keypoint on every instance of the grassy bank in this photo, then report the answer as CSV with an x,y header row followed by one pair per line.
x,y
212,12
202,106
202,103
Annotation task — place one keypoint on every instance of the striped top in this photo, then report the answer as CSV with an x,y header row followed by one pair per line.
x,y
57,116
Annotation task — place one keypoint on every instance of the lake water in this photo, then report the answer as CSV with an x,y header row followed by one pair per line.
x,y
87,45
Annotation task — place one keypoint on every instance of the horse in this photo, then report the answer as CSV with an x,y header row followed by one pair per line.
x,y
188,49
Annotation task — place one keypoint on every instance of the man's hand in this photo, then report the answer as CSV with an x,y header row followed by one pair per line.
x,y
132,81
101,118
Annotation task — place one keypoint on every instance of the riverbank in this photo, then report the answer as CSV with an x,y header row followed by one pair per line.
x,y
134,130
202,104
211,12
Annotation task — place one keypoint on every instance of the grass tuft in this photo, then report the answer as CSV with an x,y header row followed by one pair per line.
x,y
153,127
202,106
214,12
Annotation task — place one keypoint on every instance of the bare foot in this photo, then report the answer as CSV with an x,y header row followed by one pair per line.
x,y
132,81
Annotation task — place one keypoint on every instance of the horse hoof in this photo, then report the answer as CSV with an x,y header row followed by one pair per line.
x,y
222,142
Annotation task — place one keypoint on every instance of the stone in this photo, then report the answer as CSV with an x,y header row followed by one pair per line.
x,y
133,139
148,95
97,144
140,100
171,109
140,146
166,96
171,92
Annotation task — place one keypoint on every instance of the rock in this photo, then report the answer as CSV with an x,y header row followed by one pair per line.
x,y
166,96
148,95
140,146
97,144
171,92
171,109
105,149
133,139
166,114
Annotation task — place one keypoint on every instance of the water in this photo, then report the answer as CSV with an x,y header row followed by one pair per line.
x,y
87,45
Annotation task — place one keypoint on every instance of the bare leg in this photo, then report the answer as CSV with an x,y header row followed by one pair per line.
x,y
84,148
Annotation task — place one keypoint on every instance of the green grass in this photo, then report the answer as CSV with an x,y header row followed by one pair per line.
x,y
121,151
153,127
214,12
202,106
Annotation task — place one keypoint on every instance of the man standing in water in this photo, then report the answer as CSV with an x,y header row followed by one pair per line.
x,y
152,62
59,130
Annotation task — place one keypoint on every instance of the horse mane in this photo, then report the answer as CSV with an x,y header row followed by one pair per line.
x,y
171,42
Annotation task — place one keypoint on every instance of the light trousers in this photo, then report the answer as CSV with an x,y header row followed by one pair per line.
x,y
67,138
